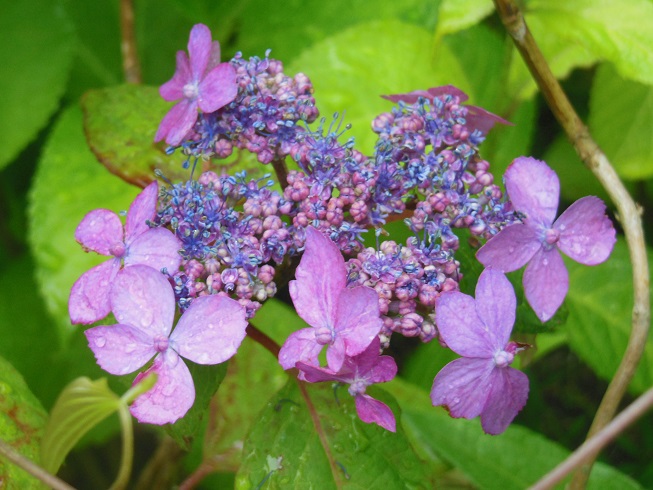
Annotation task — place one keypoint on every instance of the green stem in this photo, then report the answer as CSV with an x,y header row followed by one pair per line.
x,y
628,211
127,456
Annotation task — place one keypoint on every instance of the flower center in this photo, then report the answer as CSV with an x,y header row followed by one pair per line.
x,y
117,249
551,236
191,90
161,344
324,335
503,358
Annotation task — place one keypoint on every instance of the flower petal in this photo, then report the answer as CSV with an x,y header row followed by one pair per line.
x,y
372,411
385,369
534,189
120,349
358,319
177,122
300,346
218,88
173,89
510,249
172,395
463,386
316,374
157,248
546,282
214,57
586,233
320,277
199,49
507,397
211,330
89,299
496,305
460,326
99,230
142,209
143,298
482,120
336,354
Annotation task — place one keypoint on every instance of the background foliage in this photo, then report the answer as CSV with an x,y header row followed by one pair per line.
x,y
54,51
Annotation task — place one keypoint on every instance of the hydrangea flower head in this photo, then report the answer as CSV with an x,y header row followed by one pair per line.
x,y
481,382
101,231
359,372
143,302
200,81
344,319
583,232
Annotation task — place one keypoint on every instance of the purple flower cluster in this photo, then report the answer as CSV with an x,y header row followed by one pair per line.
x,y
213,247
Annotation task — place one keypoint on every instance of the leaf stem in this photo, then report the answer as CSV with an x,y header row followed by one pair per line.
x,y
590,448
256,335
281,170
127,456
130,63
628,211
32,468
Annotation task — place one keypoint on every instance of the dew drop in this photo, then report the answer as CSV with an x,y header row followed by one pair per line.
x,y
545,262
100,341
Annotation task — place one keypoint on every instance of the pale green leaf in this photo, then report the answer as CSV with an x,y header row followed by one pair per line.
x,y
621,122
352,69
22,419
81,406
69,183
284,450
600,316
456,15
35,56
513,460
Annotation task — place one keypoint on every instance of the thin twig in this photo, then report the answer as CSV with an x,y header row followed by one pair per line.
x,y
590,448
32,468
281,170
130,63
629,214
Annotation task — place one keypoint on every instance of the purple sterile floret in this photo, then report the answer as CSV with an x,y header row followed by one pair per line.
x,y
344,319
200,81
583,232
101,231
481,382
359,372
143,302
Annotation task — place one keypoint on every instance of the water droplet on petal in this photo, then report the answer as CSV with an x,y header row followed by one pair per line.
x,y
100,341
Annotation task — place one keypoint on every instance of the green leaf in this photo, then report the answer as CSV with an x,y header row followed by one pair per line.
x,y
578,33
456,15
600,316
306,22
389,57
488,461
120,123
26,329
22,419
81,406
207,379
621,122
68,183
35,57
283,449
253,376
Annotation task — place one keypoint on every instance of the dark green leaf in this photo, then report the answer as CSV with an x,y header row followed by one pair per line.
x,y
69,183
600,307
207,379
22,419
514,460
35,56
621,122
284,449
81,406
389,57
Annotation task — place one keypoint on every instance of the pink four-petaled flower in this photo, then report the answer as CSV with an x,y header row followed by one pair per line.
x,y
583,232
200,81
143,302
101,231
344,319
359,372
481,382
